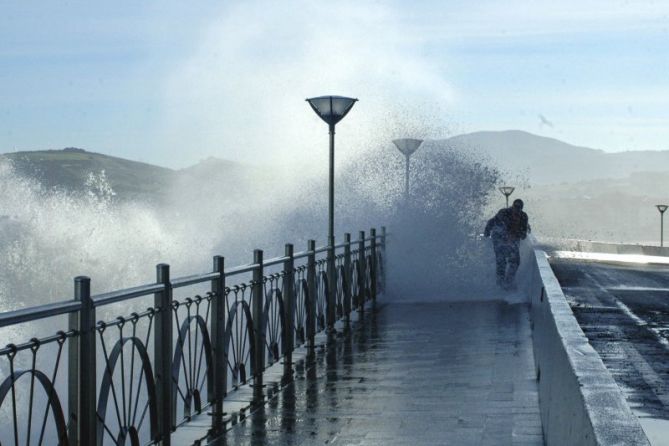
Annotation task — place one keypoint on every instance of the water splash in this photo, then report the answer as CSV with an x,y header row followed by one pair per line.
x,y
47,237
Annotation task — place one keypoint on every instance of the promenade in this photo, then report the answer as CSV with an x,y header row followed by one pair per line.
x,y
409,374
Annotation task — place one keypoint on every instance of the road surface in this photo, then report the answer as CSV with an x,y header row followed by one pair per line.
x,y
624,311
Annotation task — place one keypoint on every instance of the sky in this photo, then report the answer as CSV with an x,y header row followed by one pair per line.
x,y
172,83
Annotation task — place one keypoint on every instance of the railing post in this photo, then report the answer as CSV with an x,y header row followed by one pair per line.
x,y
82,390
257,310
312,294
362,273
332,287
217,391
372,286
289,310
162,343
347,277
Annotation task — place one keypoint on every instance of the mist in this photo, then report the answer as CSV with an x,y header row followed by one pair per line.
x,y
50,236
240,94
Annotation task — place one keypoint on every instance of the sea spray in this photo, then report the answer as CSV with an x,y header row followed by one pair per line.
x,y
49,236
433,249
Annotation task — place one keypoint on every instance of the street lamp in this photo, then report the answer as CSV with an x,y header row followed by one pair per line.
x,y
407,146
331,109
507,190
661,208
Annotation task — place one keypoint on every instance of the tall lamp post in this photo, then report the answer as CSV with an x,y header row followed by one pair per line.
x,y
331,109
661,208
507,190
407,146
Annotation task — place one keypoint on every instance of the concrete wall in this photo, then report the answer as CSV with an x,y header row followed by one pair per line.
x,y
607,248
613,248
580,402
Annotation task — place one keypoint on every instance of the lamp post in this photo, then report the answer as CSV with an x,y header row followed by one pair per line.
x,y
407,146
507,190
661,208
331,109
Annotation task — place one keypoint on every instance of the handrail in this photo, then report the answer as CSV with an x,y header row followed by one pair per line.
x,y
302,254
194,279
128,293
102,299
275,261
241,269
58,308
39,312
303,308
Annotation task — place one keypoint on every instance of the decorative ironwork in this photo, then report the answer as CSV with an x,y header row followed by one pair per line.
x,y
342,287
239,339
369,277
134,414
356,291
35,423
301,304
275,322
171,348
322,291
192,363
380,272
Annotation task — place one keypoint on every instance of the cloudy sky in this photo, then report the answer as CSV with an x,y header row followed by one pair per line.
x,y
172,82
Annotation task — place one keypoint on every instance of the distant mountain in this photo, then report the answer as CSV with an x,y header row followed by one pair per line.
x,y
224,179
546,160
69,169
570,191
522,157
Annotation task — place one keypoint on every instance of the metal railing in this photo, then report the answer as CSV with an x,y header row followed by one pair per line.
x,y
136,377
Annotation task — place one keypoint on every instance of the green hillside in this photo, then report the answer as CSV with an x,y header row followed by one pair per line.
x,y
69,169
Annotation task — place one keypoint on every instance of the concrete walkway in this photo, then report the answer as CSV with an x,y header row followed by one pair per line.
x,y
411,374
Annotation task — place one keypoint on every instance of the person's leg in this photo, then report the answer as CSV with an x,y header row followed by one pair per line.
x,y
500,261
514,261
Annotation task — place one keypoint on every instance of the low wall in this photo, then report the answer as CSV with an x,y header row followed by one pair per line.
x,y
607,247
616,248
580,402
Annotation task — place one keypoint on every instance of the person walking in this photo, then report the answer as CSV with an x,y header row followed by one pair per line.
x,y
507,228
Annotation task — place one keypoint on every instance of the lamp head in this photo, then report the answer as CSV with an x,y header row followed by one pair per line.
x,y
407,145
331,109
661,208
507,190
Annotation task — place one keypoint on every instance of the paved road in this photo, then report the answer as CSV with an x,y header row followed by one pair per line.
x,y
423,374
624,312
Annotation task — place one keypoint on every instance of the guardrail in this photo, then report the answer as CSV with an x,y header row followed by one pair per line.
x,y
136,377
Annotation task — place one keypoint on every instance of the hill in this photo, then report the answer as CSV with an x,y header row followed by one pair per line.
x,y
570,191
69,169
546,160
573,191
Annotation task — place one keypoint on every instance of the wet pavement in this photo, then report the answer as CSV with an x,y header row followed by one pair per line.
x,y
422,374
624,312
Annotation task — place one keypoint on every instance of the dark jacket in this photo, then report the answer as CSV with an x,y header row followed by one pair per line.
x,y
507,225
